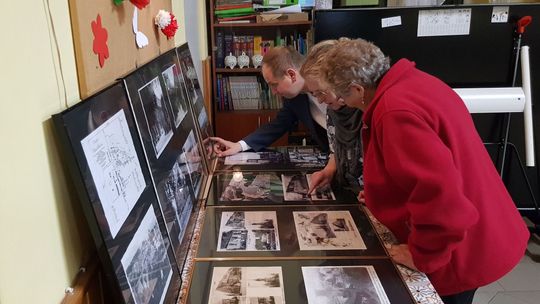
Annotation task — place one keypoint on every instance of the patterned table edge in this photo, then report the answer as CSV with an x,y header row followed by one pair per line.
x,y
418,283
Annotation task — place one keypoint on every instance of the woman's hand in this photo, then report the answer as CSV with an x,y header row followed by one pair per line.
x,y
401,255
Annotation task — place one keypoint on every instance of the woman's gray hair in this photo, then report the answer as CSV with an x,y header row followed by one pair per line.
x,y
354,61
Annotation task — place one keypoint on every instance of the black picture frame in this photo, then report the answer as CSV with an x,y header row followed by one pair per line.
x,y
289,244
245,188
156,92
101,146
293,280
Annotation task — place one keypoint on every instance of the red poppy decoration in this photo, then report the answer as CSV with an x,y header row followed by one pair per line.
x,y
100,47
167,23
140,4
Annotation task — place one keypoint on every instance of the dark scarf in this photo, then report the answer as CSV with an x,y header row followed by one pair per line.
x,y
348,146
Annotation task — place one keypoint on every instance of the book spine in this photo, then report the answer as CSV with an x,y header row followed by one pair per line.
x,y
220,50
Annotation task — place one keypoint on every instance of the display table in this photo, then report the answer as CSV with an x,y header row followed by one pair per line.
x,y
203,257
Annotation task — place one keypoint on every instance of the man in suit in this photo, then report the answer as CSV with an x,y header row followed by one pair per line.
x,y
281,70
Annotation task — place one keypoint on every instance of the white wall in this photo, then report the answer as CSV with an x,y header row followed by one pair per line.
x,y
196,32
43,235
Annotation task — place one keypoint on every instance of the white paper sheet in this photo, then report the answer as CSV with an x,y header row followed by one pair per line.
x,y
444,22
115,169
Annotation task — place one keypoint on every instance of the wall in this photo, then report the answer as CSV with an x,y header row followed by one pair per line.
x,y
196,33
43,235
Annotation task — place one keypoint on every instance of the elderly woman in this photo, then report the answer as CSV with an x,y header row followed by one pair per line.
x,y
343,126
427,175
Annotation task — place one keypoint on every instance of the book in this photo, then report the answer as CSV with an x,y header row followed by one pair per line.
x,y
220,50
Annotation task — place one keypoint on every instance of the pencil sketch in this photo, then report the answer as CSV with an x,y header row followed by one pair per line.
x,y
115,167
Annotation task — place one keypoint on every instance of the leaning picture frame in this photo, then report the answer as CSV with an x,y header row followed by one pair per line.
x,y
103,152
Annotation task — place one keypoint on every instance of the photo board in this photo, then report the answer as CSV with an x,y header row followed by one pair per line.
x,y
106,161
288,231
300,282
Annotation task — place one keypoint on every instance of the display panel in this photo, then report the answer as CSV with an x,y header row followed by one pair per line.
x,y
271,187
299,231
277,158
364,281
161,106
200,114
107,164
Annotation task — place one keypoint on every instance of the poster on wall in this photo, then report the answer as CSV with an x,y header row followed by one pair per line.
x,y
105,157
161,106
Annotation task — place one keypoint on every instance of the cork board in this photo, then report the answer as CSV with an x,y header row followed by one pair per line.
x,y
124,56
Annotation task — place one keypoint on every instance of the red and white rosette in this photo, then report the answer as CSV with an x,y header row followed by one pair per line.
x,y
167,23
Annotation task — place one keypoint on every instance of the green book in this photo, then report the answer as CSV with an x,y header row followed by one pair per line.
x,y
235,12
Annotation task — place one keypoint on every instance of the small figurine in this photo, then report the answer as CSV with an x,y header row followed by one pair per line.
x,y
243,60
230,61
257,60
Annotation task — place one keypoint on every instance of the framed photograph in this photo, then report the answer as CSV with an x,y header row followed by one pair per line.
x,y
327,230
105,157
350,284
248,231
277,158
247,285
288,231
329,281
200,115
271,187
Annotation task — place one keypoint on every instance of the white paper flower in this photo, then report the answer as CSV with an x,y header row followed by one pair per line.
x,y
163,19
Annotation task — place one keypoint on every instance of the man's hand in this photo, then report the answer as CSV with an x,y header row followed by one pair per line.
x,y
224,147
401,255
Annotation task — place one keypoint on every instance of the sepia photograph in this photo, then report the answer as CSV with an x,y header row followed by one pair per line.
x,y
176,93
343,284
146,263
250,186
307,156
248,231
157,115
254,158
327,230
247,285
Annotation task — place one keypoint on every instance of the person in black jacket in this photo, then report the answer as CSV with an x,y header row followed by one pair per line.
x,y
280,69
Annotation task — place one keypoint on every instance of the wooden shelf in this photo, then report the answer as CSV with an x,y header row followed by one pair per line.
x,y
238,70
240,112
265,24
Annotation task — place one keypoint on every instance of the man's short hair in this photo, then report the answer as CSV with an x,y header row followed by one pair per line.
x,y
281,58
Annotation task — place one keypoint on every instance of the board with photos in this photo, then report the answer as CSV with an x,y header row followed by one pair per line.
x,y
374,281
161,103
106,160
288,231
271,187
277,158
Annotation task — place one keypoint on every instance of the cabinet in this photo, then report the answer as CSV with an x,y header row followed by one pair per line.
x,y
241,99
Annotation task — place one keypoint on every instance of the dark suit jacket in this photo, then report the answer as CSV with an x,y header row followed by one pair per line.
x,y
294,110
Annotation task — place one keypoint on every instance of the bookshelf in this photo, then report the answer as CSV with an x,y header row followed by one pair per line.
x,y
233,117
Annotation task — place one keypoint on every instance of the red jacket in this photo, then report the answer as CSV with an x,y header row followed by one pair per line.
x,y
430,180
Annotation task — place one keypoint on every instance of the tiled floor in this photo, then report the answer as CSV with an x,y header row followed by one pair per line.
x,y
520,286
